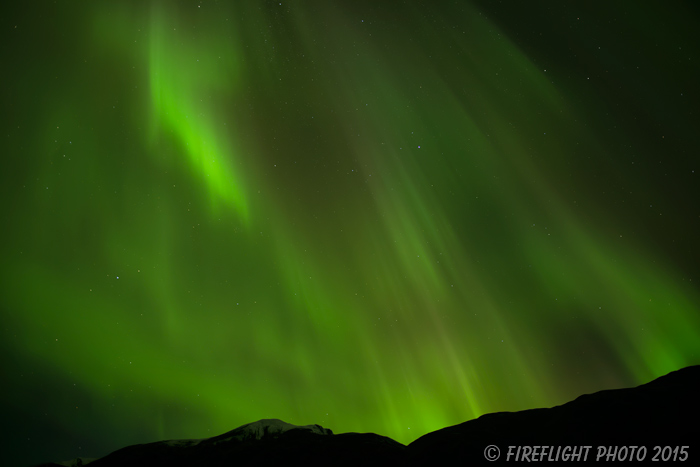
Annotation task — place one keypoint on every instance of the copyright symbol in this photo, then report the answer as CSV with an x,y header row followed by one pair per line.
x,y
492,453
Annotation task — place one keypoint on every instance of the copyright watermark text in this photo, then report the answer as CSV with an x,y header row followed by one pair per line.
x,y
588,453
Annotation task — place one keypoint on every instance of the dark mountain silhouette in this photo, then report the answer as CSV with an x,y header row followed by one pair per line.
x,y
660,416
664,412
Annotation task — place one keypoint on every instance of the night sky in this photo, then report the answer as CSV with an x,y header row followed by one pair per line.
x,y
376,216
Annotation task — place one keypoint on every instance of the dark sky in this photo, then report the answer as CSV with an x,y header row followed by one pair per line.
x,y
372,215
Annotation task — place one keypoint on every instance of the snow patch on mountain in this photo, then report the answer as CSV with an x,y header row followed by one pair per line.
x,y
267,427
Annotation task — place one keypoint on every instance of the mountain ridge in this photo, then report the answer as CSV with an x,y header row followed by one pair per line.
x,y
654,415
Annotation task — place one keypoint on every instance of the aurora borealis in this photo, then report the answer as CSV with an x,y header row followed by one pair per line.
x,y
385,217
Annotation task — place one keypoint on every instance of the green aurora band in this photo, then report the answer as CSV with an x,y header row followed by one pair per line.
x,y
337,214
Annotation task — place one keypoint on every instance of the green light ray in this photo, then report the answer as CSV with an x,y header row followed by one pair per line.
x,y
184,77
